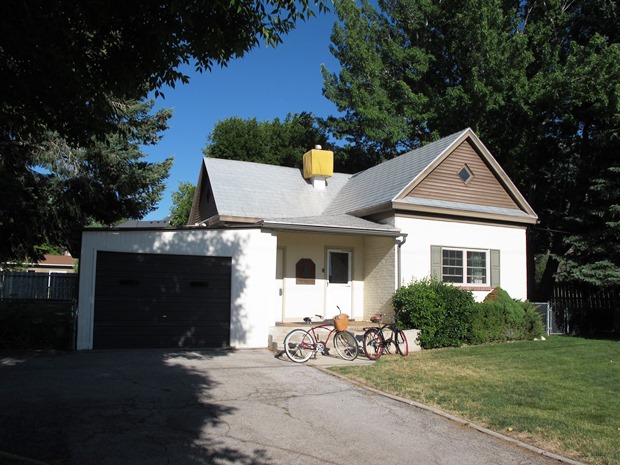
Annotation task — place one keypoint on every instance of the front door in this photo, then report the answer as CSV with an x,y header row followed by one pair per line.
x,y
338,282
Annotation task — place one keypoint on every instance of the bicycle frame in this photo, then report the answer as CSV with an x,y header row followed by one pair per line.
x,y
376,340
319,345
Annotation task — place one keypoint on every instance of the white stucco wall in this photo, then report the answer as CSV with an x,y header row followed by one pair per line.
x,y
253,287
301,300
422,233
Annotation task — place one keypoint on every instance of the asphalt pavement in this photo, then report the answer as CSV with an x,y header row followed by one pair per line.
x,y
221,407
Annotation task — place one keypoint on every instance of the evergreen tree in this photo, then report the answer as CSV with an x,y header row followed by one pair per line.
x,y
62,187
70,72
537,81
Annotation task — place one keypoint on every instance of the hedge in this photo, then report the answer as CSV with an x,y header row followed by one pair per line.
x,y
450,317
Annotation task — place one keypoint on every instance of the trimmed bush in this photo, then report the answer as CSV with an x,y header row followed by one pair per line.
x,y
449,317
487,323
441,312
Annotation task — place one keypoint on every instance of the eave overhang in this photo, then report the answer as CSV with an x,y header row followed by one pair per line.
x,y
363,228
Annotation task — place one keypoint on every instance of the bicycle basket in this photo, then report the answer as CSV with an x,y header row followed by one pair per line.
x,y
341,322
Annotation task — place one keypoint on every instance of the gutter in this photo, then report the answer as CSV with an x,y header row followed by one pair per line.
x,y
330,230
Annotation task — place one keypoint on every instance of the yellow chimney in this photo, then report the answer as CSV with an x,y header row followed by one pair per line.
x,y
318,163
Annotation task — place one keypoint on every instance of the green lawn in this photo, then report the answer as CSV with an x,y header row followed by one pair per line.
x,y
562,394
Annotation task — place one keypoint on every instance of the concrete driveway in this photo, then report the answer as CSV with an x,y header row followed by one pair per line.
x,y
219,407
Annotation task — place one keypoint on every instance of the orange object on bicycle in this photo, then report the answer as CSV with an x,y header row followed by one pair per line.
x,y
341,322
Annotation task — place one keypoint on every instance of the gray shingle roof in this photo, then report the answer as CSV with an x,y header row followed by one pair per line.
x,y
382,183
282,198
256,190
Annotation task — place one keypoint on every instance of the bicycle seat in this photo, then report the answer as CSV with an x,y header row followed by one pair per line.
x,y
376,318
308,320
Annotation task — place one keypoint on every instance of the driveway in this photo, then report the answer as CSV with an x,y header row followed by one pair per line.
x,y
218,407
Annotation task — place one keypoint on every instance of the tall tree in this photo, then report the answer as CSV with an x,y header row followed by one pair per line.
x,y
594,253
182,204
537,80
62,186
66,65
272,142
69,72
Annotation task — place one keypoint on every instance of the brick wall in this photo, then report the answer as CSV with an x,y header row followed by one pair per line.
x,y
379,275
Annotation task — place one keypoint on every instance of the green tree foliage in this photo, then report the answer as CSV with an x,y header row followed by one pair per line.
x,y
182,204
66,66
70,72
537,81
61,187
594,253
272,142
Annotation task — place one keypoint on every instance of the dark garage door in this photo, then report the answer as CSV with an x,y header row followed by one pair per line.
x,y
152,300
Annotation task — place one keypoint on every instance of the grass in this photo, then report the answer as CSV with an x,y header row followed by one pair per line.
x,y
562,395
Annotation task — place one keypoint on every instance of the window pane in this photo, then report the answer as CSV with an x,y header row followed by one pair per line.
x,y
452,269
476,267
338,268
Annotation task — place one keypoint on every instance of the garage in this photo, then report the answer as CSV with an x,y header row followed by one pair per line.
x,y
161,301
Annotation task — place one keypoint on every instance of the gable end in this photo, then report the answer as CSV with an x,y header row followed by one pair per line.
x,y
482,187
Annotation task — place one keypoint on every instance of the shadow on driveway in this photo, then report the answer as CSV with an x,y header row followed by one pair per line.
x,y
139,406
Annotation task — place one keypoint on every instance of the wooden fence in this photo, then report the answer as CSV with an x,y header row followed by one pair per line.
x,y
38,286
587,310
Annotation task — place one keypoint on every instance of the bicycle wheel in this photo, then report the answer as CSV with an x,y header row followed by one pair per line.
x,y
373,343
346,345
299,345
400,341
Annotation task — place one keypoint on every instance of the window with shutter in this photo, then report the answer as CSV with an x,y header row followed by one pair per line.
x,y
466,267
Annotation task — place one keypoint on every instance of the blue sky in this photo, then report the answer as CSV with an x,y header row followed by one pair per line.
x,y
267,83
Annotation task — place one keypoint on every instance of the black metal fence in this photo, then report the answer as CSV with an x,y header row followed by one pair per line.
x,y
38,286
586,310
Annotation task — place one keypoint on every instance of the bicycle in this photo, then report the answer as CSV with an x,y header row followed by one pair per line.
x,y
376,342
300,344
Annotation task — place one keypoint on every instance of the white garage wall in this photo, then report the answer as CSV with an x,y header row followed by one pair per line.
x,y
253,287
511,241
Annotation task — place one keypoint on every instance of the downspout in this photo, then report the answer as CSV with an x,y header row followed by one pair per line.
x,y
399,243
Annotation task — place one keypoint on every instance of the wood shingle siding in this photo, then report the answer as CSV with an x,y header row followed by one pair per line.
x,y
443,183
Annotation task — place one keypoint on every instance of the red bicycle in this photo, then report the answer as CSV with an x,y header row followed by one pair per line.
x,y
300,344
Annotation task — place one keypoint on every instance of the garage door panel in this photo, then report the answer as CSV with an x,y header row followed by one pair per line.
x,y
150,341
150,300
156,315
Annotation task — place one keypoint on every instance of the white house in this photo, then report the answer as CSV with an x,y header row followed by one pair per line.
x,y
268,244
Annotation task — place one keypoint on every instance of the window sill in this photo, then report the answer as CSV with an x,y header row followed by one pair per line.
x,y
475,288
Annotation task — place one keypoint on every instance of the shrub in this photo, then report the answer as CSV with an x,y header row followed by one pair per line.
x,y
448,316
532,321
441,312
487,323
501,318
30,325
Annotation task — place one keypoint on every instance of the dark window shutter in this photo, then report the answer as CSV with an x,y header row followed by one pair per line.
x,y
495,268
